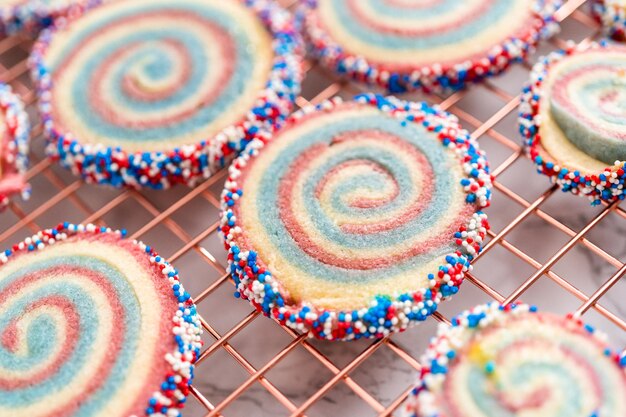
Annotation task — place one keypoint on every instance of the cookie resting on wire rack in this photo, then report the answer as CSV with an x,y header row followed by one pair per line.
x,y
432,45
572,117
14,131
152,93
30,16
356,219
612,15
513,361
92,324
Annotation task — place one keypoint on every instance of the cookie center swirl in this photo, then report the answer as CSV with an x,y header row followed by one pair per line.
x,y
153,75
353,198
358,187
81,330
588,102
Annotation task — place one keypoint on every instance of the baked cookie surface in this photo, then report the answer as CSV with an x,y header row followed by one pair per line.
x,y
92,324
514,361
353,210
572,117
434,45
153,92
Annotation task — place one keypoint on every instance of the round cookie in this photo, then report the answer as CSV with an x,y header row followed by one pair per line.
x,y
30,16
432,45
513,361
612,15
572,118
93,324
151,93
356,219
14,131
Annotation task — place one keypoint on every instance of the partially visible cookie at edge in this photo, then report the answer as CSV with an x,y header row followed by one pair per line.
x,y
571,117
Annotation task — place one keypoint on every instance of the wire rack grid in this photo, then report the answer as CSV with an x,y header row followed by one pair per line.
x,y
545,247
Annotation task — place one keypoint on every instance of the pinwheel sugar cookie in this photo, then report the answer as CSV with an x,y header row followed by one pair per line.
x,y
93,324
152,93
14,131
30,16
513,361
433,45
572,116
612,15
356,219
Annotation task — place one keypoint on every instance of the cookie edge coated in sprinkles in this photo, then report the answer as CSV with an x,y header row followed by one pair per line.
x,y
32,16
187,164
607,185
443,347
396,312
432,78
186,330
611,17
13,110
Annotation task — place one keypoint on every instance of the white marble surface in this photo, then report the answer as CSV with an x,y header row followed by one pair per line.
x,y
384,375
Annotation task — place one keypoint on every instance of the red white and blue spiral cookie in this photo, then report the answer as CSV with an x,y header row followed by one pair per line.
x,y
512,361
612,15
433,45
30,16
572,117
92,324
152,93
356,219
14,131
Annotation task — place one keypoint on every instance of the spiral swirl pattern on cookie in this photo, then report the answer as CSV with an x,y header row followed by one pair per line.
x,y
149,75
353,203
432,44
419,32
89,327
516,362
587,96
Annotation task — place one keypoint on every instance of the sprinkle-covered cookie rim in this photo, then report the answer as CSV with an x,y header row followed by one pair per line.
x,y
385,314
30,16
443,348
611,16
429,78
186,330
606,185
18,131
186,164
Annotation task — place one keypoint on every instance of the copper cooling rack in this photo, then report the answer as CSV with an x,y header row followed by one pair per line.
x,y
546,248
